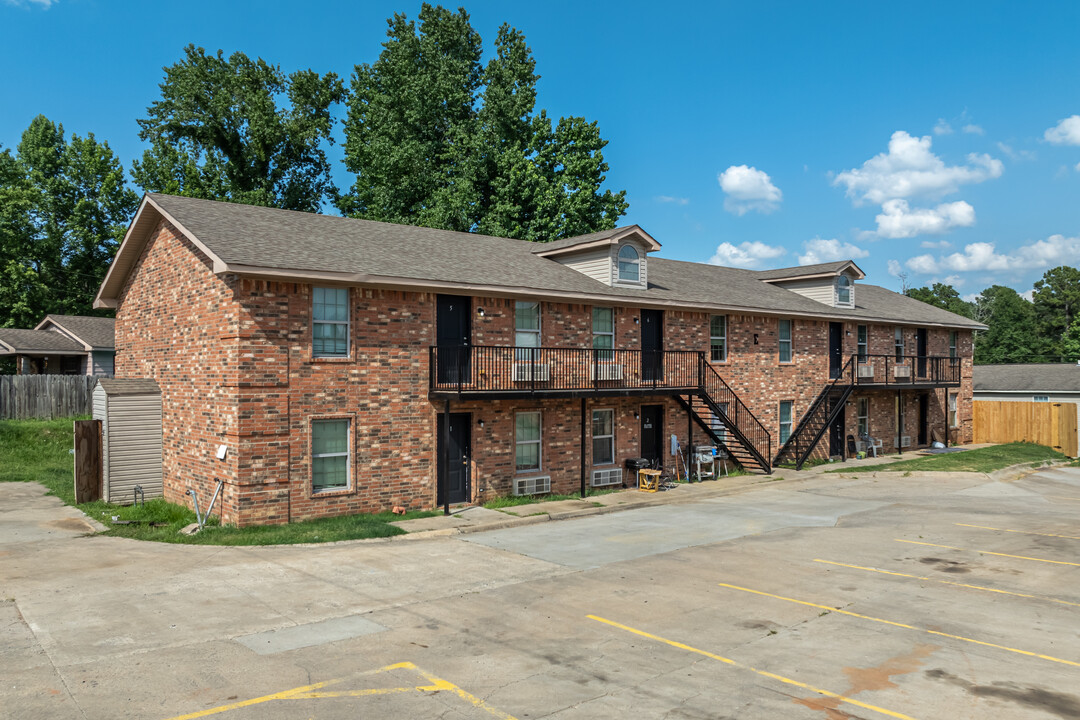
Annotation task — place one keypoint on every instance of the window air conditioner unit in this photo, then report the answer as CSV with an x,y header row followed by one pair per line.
x,y
902,371
526,372
532,486
905,441
603,478
866,371
605,372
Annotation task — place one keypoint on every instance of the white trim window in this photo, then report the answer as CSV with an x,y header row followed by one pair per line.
x,y
716,423
1040,398
862,343
603,437
527,441
862,416
603,332
784,332
330,455
843,291
629,264
330,322
898,343
785,420
953,418
952,344
526,328
718,338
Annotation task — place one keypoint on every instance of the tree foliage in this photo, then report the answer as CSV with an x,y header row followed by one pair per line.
x,y
64,207
1056,298
1011,336
945,297
218,132
435,138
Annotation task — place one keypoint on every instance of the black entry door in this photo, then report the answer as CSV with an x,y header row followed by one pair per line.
x,y
920,350
652,345
836,349
924,419
652,432
836,437
454,470
453,334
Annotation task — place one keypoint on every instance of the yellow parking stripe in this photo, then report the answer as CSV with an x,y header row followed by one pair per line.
x,y
1022,532
987,552
763,673
947,582
833,609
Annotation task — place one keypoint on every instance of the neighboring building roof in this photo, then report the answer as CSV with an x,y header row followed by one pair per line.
x,y
267,242
14,341
809,271
1027,377
97,332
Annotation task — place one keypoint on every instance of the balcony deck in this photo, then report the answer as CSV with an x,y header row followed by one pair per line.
x,y
906,372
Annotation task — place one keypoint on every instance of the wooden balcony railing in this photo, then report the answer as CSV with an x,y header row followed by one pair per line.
x,y
906,370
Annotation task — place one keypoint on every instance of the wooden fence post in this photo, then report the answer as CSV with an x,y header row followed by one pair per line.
x,y
88,470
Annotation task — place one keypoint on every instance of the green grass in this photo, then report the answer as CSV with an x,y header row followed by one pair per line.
x,y
40,451
980,460
515,500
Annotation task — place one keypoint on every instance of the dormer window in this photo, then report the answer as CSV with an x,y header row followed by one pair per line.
x,y
843,291
629,264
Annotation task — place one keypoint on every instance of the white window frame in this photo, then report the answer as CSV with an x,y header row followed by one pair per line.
x,y
1040,398
862,416
781,423
790,341
634,263
315,322
720,340
607,353
862,343
347,455
952,344
954,416
898,343
843,283
717,425
595,437
539,438
523,333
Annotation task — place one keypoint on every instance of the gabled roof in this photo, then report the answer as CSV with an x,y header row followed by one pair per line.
x,y
95,332
596,239
805,272
14,341
297,246
1027,377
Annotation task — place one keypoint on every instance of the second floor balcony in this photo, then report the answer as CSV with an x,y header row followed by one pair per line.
x,y
906,371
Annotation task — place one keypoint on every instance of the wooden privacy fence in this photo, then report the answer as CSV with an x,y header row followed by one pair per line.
x,y
1044,423
44,397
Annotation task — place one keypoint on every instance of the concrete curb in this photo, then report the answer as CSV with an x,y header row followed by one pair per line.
x,y
1020,470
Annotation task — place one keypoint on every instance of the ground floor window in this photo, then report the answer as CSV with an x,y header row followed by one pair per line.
x,y
952,411
863,416
716,423
603,437
527,439
785,421
329,455
900,420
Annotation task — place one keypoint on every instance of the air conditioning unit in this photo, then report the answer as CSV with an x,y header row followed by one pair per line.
x,y
603,478
866,371
905,441
532,486
527,372
606,371
902,371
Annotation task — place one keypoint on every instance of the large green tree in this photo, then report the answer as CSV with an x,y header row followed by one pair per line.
x,y
218,132
1012,336
64,207
436,138
945,297
1056,298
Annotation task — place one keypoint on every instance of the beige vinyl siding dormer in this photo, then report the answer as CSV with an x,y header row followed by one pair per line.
x,y
822,289
602,264
643,274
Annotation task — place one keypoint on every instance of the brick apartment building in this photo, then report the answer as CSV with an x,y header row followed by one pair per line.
x,y
349,365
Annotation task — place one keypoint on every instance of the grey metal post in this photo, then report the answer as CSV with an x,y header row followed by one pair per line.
x,y
689,436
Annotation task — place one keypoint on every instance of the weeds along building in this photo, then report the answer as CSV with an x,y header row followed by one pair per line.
x,y
350,366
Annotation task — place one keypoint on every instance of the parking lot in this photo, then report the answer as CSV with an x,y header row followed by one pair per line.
x,y
944,596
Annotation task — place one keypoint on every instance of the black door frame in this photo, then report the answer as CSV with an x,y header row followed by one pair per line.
x,y
652,356
462,424
658,430
836,349
453,335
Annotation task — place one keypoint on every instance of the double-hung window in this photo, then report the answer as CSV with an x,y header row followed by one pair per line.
x,y
603,437
952,344
952,410
843,291
330,322
898,343
863,416
785,420
603,332
716,423
527,329
862,343
785,341
718,338
329,455
527,440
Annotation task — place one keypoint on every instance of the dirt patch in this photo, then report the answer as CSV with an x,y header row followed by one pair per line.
x,y
70,524
949,566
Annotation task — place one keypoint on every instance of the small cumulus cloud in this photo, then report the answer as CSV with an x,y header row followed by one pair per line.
x,y
745,255
1014,154
1028,295
672,200
898,220
1066,132
973,129
748,189
820,250
43,4
895,268
943,127
983,256
935,244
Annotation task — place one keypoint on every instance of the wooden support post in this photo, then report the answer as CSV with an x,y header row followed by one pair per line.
x,y
444,476
582,451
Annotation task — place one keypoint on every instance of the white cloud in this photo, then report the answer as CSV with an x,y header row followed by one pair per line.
x,y
44,4
670,199
973,129
820,250
1066,132
970,297
910,169
1015,154
935,244
744,255
898,220
943,127
1077,168
954,280
1028,295
748,189
983,256
895,268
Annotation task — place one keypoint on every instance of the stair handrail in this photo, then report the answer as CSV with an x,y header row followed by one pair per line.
x,y
759,437
793,439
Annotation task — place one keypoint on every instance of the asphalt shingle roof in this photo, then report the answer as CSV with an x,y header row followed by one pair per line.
x,y
790,272
1029,376
97,332
38,341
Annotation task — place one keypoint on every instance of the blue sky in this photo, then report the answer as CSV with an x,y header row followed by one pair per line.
x,y
940,140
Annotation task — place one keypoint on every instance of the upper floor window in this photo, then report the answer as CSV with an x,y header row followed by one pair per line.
x,y
603,332
526,327
330,322
718,338
952,344
862,343
785,341
898,343
843,290
629,264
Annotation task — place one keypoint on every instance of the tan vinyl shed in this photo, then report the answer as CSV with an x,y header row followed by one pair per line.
x,y
130,415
